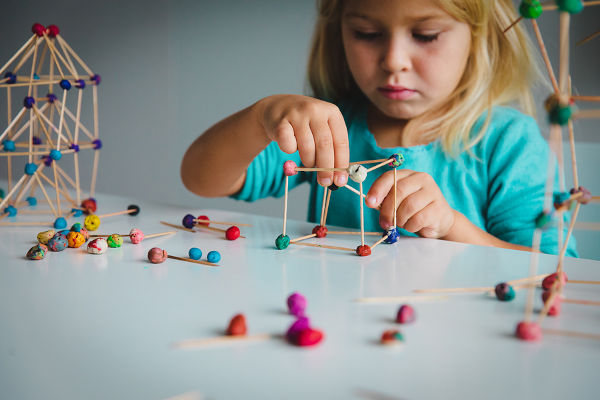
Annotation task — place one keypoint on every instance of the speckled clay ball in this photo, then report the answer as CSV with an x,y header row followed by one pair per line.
x,y
43,237
58,242
91,222
296,304
289,168
392,337
85,234
76,239
357,173
37,252
392,235
97,246
114,241
136,236
504,292
157,255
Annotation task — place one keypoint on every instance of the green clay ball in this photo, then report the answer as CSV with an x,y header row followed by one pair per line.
x,y
282,242
570,6
560,115
114,241
1,193
543,221
531,9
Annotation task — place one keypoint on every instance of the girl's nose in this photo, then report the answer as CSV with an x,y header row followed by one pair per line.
x,y
396,57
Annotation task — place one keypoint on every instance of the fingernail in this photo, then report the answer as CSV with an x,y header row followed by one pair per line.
x,y
325,182
384,223
341,180
371,200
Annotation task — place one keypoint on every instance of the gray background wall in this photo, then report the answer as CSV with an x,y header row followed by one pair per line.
x,y
172,68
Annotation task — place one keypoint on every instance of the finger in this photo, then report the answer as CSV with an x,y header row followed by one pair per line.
x,y
341,150
421,221
412,205
323,151
284,136
306,143
383,185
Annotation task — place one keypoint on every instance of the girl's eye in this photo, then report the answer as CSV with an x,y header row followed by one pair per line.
x,y
425,38
367,35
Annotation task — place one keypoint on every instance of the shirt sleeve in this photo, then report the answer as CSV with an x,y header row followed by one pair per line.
x,y
264,176
518,162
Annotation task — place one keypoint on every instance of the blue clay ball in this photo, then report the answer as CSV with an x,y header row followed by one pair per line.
x,y
60,223
213,257
195,253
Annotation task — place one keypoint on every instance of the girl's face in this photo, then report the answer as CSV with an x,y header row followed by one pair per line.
x,y
407,56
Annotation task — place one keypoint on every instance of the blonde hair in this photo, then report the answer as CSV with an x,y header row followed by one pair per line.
x,y
501,69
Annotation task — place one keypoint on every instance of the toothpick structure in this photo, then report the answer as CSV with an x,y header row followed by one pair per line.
x,y
42,130
358,174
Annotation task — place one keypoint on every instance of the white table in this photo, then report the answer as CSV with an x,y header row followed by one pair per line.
x,y
79,326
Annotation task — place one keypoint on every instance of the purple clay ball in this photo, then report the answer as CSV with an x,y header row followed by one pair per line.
x,y
296,304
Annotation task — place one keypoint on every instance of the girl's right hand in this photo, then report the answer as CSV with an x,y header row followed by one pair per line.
x,y
314,128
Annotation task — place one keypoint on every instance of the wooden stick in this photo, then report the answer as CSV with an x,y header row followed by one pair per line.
x,y
323,205
582,302
94,173
303,238
586,98
66,53
299,169
37,223
18,53
362,216
84,65
12,191
193,261
35,48
209,342
395,201
587,114
57,103
159,234
37,177
571,334
178,227
584,282
537,236
13,123
379,241
323,246
36,83
563,70
285,204
117,213
210,228
210,221
369,161
400,299
53,56
352,233
381,164
327,208
544,52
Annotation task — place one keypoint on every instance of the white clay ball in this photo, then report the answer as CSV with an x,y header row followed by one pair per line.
x,y
97,246
357,173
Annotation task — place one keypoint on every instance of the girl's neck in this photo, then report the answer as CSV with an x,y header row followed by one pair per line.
x,y
389,132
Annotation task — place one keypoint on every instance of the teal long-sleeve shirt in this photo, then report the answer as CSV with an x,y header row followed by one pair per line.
x,y
499,186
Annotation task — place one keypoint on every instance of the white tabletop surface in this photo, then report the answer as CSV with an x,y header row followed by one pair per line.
x,y
81,326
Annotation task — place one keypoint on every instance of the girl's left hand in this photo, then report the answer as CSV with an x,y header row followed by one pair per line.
x,y
421,206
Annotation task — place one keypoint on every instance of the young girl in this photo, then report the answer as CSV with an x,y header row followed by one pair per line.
x,y
425,78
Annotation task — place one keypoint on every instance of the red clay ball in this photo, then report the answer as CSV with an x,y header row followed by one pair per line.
x,y
555,307
550,279
320,231
309,337
89,205
363,250
52,30
38,29
232,233
237,326
203,218
529,331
